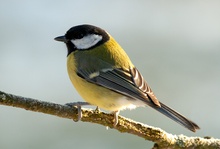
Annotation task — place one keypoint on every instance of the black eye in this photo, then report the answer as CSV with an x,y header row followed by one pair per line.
x,y
79,36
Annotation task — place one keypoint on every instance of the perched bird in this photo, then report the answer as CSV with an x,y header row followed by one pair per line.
x,y
104,75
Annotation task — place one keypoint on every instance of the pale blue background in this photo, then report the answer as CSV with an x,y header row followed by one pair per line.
x,y
175,44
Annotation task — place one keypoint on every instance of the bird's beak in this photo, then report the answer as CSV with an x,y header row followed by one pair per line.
x,y
61,38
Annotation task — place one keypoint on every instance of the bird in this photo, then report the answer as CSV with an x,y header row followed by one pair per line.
x,y
104,76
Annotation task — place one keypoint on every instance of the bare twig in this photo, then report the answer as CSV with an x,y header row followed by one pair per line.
x,y
161,138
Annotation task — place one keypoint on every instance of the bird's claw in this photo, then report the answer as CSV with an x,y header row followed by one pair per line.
x,y
116,113
79,107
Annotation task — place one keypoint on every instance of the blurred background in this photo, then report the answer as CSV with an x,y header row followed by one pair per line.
x,y
175,45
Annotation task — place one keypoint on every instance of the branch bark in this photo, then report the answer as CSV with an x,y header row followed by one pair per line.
x,y
162,139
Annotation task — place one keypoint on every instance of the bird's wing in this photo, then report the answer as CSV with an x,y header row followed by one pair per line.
x,y
132,84
127,82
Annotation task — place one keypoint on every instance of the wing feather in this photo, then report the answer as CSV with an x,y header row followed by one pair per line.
x,y
122,81
139,81
132,84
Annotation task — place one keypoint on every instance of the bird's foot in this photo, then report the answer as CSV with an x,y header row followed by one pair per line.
x,y
97,110
116,113
79,107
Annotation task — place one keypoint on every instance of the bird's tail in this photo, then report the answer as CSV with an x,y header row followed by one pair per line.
x,y
177,117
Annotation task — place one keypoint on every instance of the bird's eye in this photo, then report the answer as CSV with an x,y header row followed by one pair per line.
x,y
79,36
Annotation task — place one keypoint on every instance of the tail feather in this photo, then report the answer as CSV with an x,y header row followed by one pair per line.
x,y
177,117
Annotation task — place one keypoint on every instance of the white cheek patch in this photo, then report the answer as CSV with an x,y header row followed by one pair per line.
x,y
87,41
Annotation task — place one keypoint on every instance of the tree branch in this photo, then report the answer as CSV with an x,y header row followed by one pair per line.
x,y
161,138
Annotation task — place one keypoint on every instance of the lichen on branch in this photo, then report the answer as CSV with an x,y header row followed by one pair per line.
x,y
161,138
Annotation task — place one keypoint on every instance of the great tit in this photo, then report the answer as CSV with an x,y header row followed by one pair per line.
x,y
104,75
